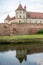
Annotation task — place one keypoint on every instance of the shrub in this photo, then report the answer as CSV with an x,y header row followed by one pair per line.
x,y
40,32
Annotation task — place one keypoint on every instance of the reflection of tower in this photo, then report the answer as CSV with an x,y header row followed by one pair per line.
x,y
21,55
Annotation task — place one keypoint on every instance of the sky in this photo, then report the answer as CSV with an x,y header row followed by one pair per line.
x,y
9,7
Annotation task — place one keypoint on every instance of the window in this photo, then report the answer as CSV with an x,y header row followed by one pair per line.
x,y
17,16
19,21
20,16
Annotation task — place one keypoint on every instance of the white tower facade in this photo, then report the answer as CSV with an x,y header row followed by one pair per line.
x,y
21,14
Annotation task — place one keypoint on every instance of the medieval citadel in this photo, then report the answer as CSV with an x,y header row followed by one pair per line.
x,y
23,22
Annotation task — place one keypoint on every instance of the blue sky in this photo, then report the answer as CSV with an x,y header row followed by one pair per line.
x,y
9,7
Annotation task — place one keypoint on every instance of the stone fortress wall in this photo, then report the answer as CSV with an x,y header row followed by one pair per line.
x,y
19,28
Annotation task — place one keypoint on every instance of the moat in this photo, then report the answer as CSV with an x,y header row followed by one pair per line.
x,y
21,54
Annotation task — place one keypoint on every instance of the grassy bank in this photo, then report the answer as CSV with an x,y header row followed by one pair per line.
x,y
17,37
22,38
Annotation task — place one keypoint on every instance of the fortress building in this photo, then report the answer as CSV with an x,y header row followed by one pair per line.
x,y
22,23
23,16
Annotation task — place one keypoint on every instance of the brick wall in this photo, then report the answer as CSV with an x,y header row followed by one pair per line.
x,y
20,28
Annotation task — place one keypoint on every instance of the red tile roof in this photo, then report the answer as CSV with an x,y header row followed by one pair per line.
x,y
20,7
34,15
9,18
12,18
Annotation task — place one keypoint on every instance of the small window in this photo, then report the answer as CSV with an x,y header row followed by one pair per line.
x,y
20,16
19,21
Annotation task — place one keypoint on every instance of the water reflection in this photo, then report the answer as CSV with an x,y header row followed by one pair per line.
x,y
20,55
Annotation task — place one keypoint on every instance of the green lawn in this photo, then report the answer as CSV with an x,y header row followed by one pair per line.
x,y
17,37
38,38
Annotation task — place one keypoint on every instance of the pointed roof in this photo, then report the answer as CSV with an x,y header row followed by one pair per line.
x,y
20,59
20,7
7,18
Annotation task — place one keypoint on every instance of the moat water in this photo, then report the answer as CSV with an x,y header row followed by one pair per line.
x,y
20,55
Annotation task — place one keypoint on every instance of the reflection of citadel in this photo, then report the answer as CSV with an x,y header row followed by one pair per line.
x,y
22,50
21,55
